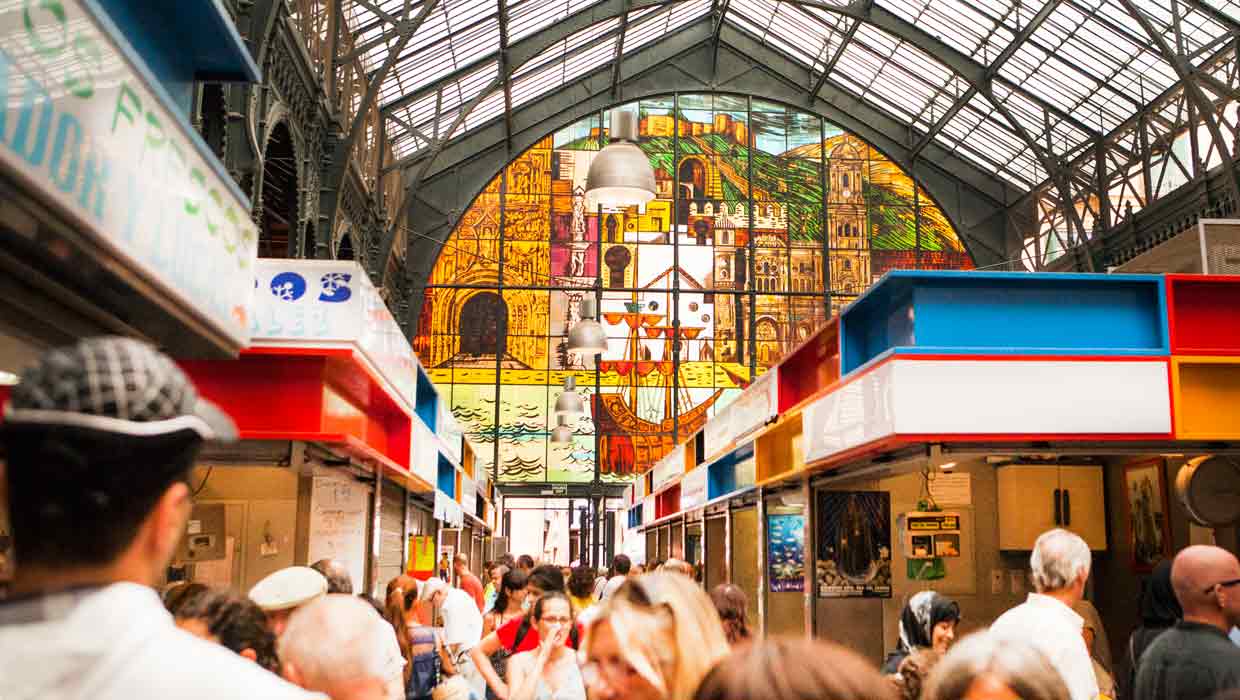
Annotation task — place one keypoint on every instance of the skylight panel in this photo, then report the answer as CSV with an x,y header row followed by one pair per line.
x,y
961,24
646,30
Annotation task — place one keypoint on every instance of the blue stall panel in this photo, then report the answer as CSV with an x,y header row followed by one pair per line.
x,y
1001,313
427,406
721,474
447,477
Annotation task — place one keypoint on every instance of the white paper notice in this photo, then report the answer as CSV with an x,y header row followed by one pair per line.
x,y
952,489
338,508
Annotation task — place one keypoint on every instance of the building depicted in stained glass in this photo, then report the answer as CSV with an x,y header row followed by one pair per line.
x,y
766,219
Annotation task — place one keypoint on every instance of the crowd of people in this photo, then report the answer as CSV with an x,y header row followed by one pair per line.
x,y
99,440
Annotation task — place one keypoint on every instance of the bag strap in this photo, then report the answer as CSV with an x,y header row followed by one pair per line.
x,y
522,630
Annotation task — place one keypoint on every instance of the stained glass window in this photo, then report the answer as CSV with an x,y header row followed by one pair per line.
x,y
765,218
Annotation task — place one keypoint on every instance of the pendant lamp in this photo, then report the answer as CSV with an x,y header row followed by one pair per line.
x,y
569,404
587,337
562,434
620,175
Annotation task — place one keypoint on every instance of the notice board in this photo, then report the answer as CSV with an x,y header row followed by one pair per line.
x,y
338,508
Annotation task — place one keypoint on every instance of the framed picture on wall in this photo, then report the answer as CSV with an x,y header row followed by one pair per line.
x,y
1149,526
854,544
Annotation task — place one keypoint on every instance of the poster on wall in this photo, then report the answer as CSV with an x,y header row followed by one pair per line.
x,y
1149,536
854,544
785,552
421,556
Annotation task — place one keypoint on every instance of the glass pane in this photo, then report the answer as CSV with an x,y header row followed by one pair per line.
x,y
761,208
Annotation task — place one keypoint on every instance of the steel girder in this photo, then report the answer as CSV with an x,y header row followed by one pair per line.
x,y
991,70
1188,78
519,52
342,148
974,201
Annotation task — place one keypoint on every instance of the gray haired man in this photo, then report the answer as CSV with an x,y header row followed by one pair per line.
x,y
338,646
1060,567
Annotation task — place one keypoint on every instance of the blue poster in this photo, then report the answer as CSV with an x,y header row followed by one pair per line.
x,y
785,552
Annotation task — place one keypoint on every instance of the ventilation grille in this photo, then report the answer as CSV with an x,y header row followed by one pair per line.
x,y
1221,243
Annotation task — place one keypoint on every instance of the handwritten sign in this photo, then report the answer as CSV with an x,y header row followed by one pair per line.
x,y
338,507
80,126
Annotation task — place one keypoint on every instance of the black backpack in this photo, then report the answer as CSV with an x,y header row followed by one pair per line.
x,y
524,629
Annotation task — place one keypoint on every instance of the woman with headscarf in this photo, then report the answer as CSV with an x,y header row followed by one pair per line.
x,y
928,621
1159,611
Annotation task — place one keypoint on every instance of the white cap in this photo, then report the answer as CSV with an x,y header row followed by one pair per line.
x,y
430,587
288,588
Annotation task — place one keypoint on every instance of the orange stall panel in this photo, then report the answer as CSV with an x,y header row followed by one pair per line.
x,y
1206,394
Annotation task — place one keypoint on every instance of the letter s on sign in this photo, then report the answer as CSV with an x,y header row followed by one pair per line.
x,y
335,287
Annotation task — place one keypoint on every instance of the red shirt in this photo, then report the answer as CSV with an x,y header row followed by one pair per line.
x,y
507,634
471,585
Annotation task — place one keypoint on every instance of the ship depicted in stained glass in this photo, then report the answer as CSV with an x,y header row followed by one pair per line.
x,y
766,219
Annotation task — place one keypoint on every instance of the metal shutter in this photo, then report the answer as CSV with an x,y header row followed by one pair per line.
x,y
391,533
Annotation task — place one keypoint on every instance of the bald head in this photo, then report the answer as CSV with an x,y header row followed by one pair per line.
x,y
678,566
1194,575
338,579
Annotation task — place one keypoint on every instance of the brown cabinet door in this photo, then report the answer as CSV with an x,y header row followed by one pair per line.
x,y
1084,508
1026,504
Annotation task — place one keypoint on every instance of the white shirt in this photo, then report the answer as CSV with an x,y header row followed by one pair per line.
x,y
118,642
462,623
613,585
1055,630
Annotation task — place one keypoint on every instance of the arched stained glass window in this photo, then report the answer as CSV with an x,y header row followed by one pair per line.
x,y
731,253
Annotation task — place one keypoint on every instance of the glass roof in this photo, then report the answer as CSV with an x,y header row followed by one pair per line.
x,y
1083,71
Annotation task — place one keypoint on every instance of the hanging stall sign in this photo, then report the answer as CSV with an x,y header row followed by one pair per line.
x,y
450,432
329,303
717,433
693,488
423,452
854,414
84,128
854,544
447,511
469,495
670,467
755,407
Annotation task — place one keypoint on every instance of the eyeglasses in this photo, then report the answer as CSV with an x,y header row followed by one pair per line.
x,y
1223,584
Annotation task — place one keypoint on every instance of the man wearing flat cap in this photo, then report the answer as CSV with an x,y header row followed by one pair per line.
x,y
98,439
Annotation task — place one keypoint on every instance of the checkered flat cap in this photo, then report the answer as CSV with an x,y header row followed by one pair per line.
x,y
113,385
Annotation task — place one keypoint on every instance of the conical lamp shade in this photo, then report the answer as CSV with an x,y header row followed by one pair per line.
x,y
587,336
562,433
620,175
569,404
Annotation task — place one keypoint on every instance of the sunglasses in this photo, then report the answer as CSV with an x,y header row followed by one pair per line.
x,y
1222,584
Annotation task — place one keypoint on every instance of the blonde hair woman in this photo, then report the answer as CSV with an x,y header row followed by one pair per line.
x,y
656,638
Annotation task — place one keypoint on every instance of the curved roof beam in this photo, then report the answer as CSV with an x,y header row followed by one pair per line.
x,y
972,199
